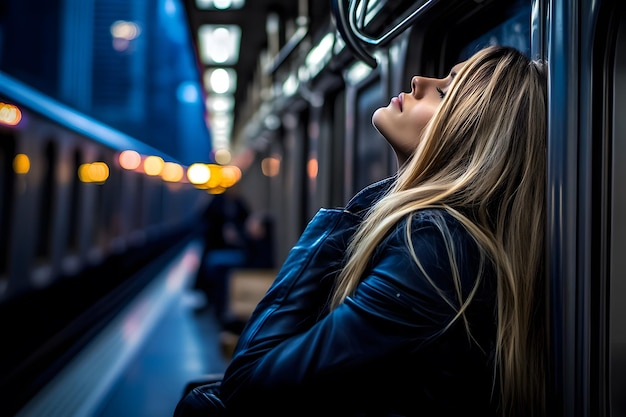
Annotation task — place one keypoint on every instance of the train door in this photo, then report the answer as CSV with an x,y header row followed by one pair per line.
x,y
295,143
586,155
617,265
330,151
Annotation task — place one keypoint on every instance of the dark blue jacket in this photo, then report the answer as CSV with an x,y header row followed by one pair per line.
x,y
388,350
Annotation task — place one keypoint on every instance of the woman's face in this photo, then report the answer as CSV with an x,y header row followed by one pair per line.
x,y
404,119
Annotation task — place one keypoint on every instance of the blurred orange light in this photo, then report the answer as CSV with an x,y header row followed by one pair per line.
x,y
216,190
172,172
216,175
83,173
129,159
153,165
270,166
96,172
312,168
21,164
9,114
230,175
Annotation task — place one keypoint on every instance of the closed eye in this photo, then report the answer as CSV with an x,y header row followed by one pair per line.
x,y
441,93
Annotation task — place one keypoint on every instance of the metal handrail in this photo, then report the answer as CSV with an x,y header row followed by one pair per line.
x,y
392,33
353,32
338,8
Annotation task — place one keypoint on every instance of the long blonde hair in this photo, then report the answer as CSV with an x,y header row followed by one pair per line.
x,y
482,158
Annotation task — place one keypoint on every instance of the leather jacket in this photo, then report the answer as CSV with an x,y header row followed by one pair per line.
x,y
393,348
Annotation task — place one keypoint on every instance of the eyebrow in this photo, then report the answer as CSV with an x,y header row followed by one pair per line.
x,y
453,72
451,75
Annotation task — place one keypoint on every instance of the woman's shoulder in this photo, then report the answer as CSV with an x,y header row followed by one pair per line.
x,y
433,231
365,198
437,238
438,218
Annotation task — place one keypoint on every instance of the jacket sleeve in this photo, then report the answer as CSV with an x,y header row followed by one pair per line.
x,y
299,294
395,311
297,297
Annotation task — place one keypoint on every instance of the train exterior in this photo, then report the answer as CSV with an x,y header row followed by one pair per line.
x,y
309,143
81,214
76,227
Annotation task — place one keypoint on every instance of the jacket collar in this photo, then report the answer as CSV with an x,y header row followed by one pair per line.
x,y
369,195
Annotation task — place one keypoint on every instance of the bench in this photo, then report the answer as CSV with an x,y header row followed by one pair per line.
x,y
246,288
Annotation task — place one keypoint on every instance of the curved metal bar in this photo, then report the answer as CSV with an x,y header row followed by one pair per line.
x,y
395,31
338,8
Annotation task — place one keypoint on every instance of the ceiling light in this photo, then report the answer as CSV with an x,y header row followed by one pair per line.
x,y
220,80
220,103
219,44
220,4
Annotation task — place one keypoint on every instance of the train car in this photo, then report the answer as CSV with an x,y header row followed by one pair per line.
x,y
303,139
80,215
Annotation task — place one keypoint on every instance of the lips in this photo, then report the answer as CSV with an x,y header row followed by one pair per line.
x,y
398,101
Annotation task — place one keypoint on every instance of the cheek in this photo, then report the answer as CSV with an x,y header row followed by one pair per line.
x,y
420,117
410,128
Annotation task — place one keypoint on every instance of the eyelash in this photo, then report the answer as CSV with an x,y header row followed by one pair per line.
x,y
441,93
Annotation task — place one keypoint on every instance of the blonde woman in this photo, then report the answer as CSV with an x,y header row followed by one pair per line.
x,y
436,307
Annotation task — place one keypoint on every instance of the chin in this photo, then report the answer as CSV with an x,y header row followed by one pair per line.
x,y
378,119
376,116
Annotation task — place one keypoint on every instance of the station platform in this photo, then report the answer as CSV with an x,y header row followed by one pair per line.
x,y
140,363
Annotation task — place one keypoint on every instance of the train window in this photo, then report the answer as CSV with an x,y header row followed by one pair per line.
x,y
331,152
46,207
75,204
338,150
99,233
7,177
515,32
312,177
112,202
297,143
158,202
138,205
371,151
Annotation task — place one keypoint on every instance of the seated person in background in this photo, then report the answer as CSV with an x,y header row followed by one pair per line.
x,y
252,284
260,240
225,247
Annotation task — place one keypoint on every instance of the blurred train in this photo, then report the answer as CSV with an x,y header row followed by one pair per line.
x,y
80,215
307,142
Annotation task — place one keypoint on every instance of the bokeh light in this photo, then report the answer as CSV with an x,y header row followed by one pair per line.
x,y
129,159
153,165
21,163
198,173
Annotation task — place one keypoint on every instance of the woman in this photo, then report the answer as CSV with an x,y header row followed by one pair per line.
x,y
436,307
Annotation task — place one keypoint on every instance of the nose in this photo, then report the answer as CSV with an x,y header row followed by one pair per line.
x,y
417,86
